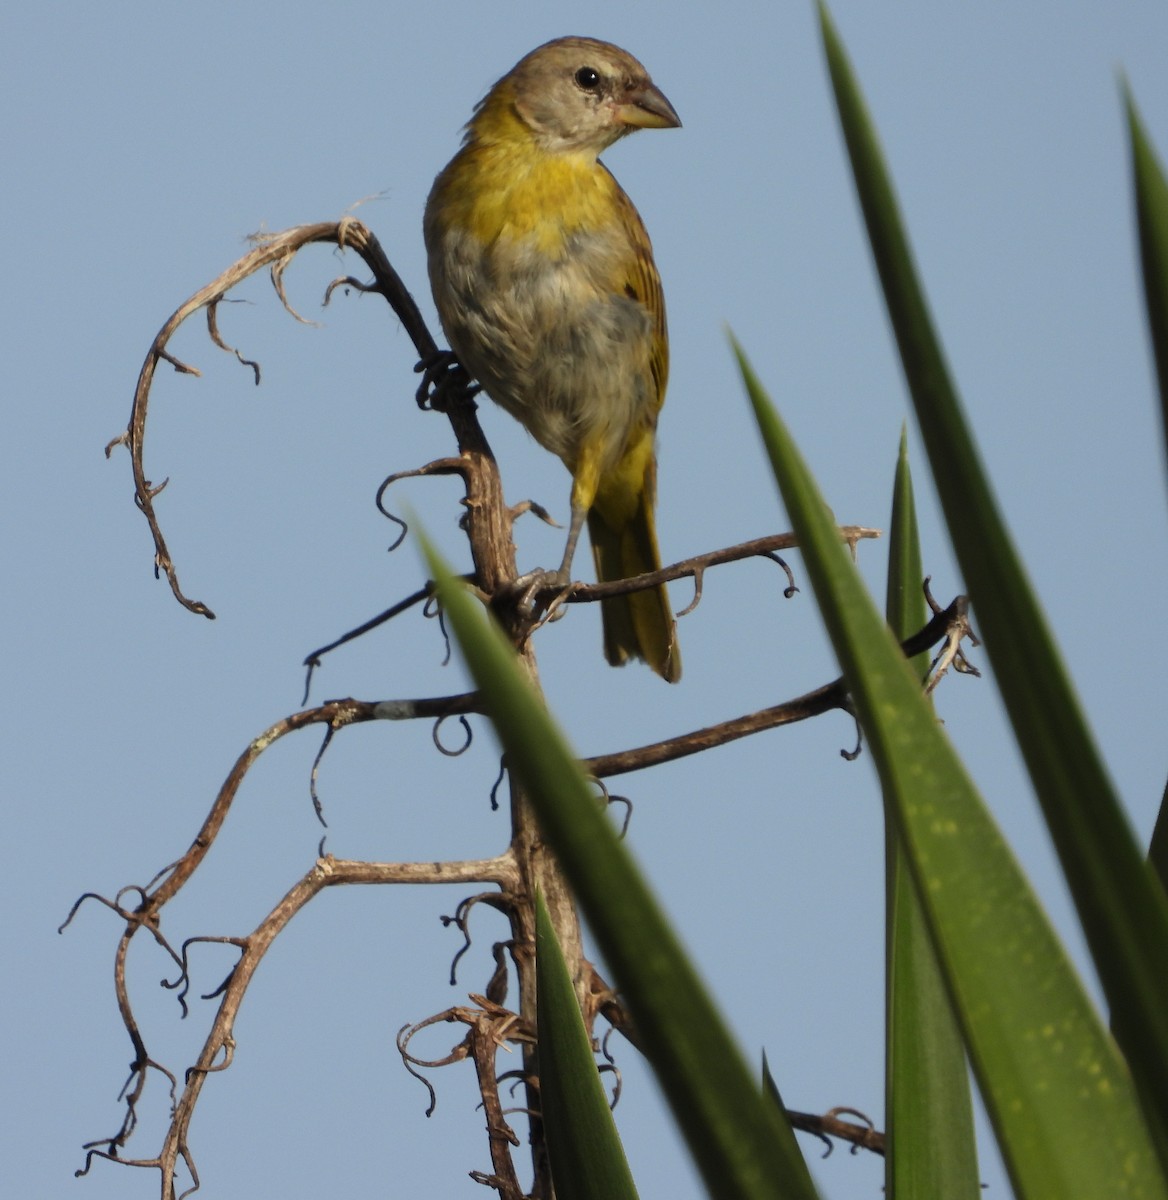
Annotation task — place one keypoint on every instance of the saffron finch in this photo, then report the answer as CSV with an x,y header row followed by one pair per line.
x,y
544,280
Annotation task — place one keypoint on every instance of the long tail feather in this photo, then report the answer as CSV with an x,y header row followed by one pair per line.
x,y
641,624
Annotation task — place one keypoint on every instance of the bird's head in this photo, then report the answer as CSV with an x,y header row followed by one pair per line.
x,y
575,94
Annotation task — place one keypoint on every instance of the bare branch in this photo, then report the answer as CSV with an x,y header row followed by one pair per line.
x,y
336,714
274,251
312,661
950,623
218,1048
763,547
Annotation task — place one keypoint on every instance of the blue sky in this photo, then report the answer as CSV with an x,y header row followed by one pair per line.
x,y
142,144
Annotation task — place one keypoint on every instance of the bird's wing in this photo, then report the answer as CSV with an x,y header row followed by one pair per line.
x,y
642,283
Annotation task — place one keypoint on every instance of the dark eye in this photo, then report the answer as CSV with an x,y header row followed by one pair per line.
x,y
588,78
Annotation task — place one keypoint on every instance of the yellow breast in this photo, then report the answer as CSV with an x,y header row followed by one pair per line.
x,y
515,192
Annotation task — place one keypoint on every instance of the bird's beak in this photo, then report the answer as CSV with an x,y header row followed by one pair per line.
x,y
644,106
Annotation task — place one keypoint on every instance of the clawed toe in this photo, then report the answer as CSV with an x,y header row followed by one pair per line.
x,y
529,587
441,372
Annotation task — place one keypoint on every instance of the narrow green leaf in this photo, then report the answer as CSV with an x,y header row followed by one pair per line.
x,y
771,1089
1158,850
1151,195
1058,1093
587,1158
769,1085
732,1130
931,1146
904,600
1124,917
1151,191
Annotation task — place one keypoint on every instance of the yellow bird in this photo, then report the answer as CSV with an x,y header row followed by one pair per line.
x,y
544,280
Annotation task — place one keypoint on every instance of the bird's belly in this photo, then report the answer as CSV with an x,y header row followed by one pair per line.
x,y
567,358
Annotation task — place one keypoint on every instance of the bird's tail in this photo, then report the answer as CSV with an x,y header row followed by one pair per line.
x,y
641,624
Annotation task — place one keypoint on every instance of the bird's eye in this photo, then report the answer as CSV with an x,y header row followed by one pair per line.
x,y
588,78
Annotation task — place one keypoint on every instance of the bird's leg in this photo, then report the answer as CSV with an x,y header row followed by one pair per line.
x,y
585,479
564,574
536,581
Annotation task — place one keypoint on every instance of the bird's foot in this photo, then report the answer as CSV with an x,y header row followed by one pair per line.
x,y
529,589
443,379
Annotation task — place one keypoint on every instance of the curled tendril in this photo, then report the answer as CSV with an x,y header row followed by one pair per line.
x,y
617,1082
403,525
609,1064
182,984
609,799
432,610
228,1049
453,752
828,1144
114,905
515,1079
441,466
852,755
498,784
792,588
217,337
699,576
403,1040
411,1061
628,812
313,775
461,921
